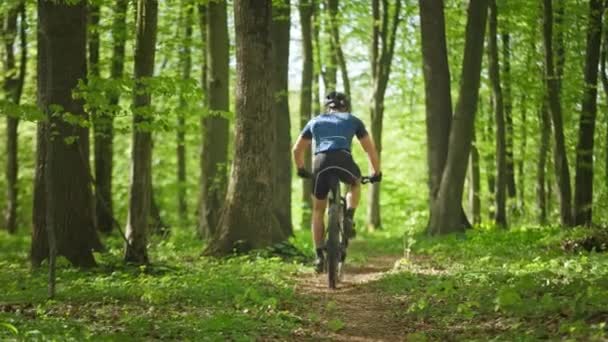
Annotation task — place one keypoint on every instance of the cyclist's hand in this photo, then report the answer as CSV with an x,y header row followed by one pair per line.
x,y
303,173
376,178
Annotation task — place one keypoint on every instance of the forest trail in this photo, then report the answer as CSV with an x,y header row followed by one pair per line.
x,y
356,311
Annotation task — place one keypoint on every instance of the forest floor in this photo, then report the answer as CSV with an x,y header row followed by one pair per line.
x,y
355,311
520,284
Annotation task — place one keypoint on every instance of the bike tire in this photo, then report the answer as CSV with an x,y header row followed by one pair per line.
x,y
333,239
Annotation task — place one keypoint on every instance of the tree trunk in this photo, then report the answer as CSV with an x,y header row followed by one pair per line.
x,y
186,69
282,148
508,115
14,79
583,194
604,78
202,25
488,137
521,177
448,204
330,74
215,124
500,217
334,26
62,190
318,62
560,156
545,136
140,190
474,198
437,91
93,69
388,35
307,8
103,125
247,221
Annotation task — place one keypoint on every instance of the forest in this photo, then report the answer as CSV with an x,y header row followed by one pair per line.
x,y
149,191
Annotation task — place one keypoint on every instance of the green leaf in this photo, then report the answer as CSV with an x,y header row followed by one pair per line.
x,y
335,325
10,327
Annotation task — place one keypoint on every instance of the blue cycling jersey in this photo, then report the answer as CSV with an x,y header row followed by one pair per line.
x,y
333,131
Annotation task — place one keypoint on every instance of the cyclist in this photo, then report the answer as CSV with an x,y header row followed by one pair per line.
x,y
332,133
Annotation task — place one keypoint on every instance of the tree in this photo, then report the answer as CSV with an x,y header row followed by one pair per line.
x,y
604,78
141,153
103,124
508,114
247,221
186,69
437,93
583,194
307,8
474,197
14,79
215,124
62,191
446,207
282,154
330,73
438,98
562,172
383,48
541,165
334,32
501,153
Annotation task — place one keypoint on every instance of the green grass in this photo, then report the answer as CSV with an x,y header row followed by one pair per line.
x,y
182,296
502,285
483,285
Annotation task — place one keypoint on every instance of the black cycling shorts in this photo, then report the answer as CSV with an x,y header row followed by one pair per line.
x,y
327,165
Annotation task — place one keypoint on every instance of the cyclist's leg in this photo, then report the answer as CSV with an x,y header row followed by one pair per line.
x,y
318,224
353,195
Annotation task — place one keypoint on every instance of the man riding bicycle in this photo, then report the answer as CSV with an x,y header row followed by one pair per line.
x,y
332,133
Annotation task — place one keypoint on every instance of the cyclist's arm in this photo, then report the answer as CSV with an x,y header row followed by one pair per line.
x,y
299,148
368,146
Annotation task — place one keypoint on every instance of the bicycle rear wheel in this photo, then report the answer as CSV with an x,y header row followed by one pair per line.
x,y
333,239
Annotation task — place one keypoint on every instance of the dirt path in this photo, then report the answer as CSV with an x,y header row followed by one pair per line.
x,y
356,311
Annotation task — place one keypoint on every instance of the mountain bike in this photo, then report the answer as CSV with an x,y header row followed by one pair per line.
x,y
336,242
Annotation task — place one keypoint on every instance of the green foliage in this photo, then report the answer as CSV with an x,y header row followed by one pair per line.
x,y
182,296
503,284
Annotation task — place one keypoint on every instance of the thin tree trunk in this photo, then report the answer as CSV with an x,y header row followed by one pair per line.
x,y
545,136
583,195
186,69
334,26
388,35
247,221
474,198
61,65
13,86
521,177
307,8
500,216
140,190
318,73
103,126
448,204
604,78
202,25
282,148
562,172
508,115
215,124
330,74
488,158
93,69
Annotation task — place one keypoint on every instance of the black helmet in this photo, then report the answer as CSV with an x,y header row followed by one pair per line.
x,y
337,100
